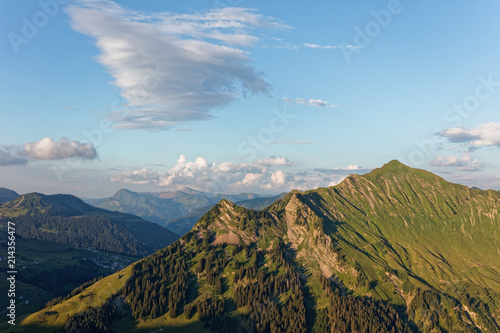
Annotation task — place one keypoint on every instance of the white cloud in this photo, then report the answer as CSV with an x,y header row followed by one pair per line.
x,y
326,47
291,142
487,134
463,163
138,177
344,170
200,174
278,178
251,179
310,102
171,67
274,161
351,167
48,149
234,168
280,43
185,171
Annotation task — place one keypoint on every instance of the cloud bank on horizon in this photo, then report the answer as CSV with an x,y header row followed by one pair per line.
x,y
263,175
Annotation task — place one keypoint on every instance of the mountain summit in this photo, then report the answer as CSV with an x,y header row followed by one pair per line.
x,y
395,250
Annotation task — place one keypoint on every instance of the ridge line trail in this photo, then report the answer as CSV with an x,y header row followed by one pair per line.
x,y
20,201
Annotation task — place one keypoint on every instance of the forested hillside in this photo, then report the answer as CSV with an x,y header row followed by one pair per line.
x,y
68,220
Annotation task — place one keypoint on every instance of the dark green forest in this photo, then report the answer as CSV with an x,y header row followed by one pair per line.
x,y
278,300
96,232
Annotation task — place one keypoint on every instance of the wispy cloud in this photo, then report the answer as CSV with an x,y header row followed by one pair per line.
x,y
291,142
351,168
172,67
327,47
462,163
310,102
487,134
47,149
280,43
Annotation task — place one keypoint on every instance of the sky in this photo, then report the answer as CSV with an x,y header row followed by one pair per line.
x,y
231,96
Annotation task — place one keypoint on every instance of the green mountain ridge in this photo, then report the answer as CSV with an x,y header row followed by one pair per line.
x,y
395,250
67,219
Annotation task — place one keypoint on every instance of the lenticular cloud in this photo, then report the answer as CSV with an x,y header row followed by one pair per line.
x,y
172,67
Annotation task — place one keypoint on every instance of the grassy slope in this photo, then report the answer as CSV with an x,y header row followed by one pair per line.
x,y
55,316
384,235
51,318
440,232
397,230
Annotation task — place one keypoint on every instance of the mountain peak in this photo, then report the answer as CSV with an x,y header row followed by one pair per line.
x,y
396,165
230,223
62,204
123,191
189,190
396,168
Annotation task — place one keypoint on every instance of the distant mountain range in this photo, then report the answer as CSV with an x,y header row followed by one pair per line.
x,y
67,219
178,210
7,195
395,250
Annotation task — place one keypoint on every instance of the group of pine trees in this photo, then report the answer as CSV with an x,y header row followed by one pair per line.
x,y
346,313
260,291
93,320
196,279
159,284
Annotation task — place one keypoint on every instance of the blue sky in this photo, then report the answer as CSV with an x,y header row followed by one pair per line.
x,y
240,95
